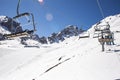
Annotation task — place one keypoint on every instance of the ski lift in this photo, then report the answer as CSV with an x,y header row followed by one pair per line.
x,y
24,32
99,28
29,17
84,34
95,35
106,37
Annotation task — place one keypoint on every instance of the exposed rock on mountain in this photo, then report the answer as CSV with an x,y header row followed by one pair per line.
x,y
43,40
9,24
69,31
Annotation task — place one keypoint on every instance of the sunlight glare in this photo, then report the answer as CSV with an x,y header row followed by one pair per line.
x,y
41,1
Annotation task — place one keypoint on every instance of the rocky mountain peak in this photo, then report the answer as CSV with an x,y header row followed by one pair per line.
x,y
9,24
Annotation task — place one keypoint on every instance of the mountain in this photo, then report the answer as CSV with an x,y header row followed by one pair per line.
x,y
69,31
8,25
75,58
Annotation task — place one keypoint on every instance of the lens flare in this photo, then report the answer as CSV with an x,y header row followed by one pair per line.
x,y
49,17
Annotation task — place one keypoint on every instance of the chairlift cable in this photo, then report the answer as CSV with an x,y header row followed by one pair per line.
x,y
101,10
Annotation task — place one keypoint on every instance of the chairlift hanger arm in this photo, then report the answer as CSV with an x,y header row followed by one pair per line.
x,y
24,14
18,5
20,15
33,21
27,14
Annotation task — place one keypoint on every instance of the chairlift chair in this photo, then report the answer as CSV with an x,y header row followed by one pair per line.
x,y
99,28
84,34
30,20
105,37
24,32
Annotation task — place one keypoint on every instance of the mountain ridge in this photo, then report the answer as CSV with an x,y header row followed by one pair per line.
x,y
74,58
67,32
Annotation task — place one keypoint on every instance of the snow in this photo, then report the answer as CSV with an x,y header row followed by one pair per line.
x,y
2,28
3,19
32,42
3,31
11,43
72,59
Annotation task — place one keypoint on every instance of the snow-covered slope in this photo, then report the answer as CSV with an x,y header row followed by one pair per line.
x,y
73,59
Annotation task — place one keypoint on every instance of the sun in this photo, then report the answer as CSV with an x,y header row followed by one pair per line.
x,y
41,1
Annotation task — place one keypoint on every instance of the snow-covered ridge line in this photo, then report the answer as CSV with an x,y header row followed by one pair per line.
x,y
74,58
69,30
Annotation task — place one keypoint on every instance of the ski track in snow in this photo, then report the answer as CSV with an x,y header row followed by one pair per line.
x,y
15,53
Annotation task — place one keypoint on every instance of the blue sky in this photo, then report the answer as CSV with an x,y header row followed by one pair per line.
x,y
54,15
